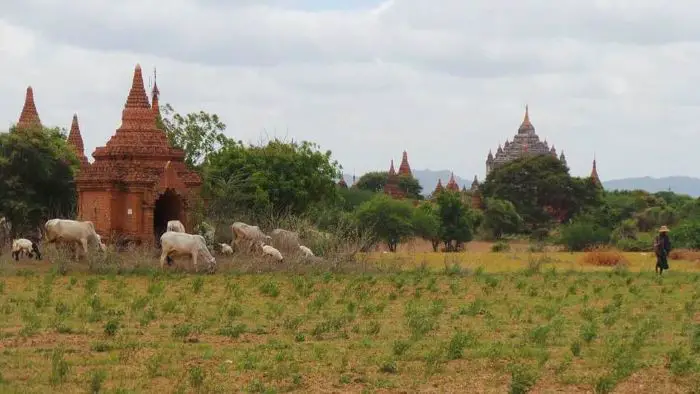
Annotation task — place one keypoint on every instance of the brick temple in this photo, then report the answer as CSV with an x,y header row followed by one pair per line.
x,y
138,181
525,142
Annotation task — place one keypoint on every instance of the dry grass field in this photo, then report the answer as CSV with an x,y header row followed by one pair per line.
x,y
473,322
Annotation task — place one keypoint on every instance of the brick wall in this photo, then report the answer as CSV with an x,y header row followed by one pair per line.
x,y
96,207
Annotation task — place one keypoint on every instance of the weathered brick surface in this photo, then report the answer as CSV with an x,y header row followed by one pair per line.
x,y
119,190
29,117
75,140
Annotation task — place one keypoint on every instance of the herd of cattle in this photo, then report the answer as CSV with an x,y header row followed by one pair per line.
x,y
81,236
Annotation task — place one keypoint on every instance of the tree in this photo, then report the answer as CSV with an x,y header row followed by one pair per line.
x,y
352,197
276,178
426,224
541,189
388,219
374,181
500,217
411,187
36,177
197,133
456,220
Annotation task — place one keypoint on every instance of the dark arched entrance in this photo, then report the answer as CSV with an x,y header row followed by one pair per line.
x,y
168,207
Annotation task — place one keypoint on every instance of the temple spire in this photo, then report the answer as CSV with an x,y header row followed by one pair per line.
x,y
29,117
75,140
392,171
526,127
137,113
155,94
404,167
594,173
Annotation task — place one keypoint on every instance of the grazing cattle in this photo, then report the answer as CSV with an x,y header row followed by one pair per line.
x,y
175,243
25,246
226,249
176,226
73,232
285,240
268,250
306,251
248,235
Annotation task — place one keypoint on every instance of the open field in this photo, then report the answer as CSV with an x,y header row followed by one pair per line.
x,y
423,322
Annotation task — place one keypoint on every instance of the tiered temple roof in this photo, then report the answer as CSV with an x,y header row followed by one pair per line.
x,y
75,140
594,174
29,117
438,188
392,183
405,168
137,144
525,142
342,182
452,183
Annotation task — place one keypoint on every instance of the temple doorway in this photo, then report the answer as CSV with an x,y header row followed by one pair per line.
x,y
168,207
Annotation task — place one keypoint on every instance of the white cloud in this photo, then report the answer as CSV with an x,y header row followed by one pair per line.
x,y
446,83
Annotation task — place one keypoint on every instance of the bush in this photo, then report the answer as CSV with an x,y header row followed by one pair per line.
x,y
539,234
500,246
603,257
643,243
687,235
582,235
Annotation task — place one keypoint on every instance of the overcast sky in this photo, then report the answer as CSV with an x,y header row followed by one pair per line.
x,y
445,80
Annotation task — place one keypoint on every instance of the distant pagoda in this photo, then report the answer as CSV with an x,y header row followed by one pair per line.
x,y
525,142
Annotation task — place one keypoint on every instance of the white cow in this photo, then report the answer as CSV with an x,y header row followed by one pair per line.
x,y
176,226
72,232
175,243
306,251
248,235
285,240
269,250
226,249
25,246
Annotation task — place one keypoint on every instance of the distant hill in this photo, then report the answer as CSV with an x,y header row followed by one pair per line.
x,y
677,184
428,179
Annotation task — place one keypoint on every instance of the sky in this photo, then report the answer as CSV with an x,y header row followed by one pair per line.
x,y
614,79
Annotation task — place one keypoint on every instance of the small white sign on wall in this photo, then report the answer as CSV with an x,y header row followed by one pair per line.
x,y
129,211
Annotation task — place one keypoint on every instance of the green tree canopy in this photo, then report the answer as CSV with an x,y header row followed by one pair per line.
x,y
197,133
500,217
36,177
277,177
374,181
541,189
388,219
456,220
426,224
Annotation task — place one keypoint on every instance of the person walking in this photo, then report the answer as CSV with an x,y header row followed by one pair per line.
x,y
662,247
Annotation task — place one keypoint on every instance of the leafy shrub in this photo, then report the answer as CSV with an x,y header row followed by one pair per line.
x,y
581,235
603,257
500,246
539,234
642,243
687,235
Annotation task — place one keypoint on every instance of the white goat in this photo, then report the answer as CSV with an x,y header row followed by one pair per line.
x,y
226,249
271,251
25,246
306,251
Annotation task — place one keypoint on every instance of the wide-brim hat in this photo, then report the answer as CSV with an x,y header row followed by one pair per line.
x,y
663,229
